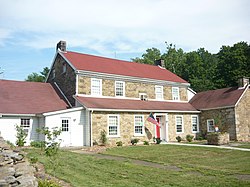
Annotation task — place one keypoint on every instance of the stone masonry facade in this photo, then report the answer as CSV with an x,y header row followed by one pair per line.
x,y
126,121
65,80
132,89
242,111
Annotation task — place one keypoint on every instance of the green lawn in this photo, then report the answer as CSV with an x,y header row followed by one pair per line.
x,y
199,167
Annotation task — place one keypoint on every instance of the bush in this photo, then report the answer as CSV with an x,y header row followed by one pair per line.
x,y
134,141
33,160
119,143
20,135
38,144
103,137
158,140
189,138
95,142
178,138
145,142
47,183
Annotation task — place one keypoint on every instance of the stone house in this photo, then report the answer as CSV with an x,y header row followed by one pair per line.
x,y
118,96
229,105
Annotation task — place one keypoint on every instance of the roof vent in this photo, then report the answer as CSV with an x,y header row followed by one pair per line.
x,y
61,46
243,82
160,62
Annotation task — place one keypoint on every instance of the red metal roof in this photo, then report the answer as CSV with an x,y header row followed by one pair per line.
x,y
19,97
129,104
217,98
119,67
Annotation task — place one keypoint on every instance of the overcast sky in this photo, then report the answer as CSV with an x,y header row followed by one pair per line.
x,y
30,29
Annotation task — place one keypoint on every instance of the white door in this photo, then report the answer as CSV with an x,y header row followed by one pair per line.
x,y
66,132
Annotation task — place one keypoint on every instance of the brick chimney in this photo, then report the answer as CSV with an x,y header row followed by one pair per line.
x,y
61,46
243,82
160,62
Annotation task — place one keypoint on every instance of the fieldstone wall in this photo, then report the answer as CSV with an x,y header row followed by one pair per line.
x,y
217,138
132,89
100,122
242,111
228,116
187,126
14,169
65,80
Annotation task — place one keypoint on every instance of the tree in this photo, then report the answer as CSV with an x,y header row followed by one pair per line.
x,y
35,77
149,57
234,63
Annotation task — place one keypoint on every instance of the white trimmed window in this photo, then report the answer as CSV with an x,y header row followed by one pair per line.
x,y
179,124
159,92
175,93
113,125
119,88
25,124
64,68
96,86
53,73
138,121
195,124
65,125
143,96
210,125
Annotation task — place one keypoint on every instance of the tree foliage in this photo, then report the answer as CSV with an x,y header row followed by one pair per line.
x,y
41,77
202,69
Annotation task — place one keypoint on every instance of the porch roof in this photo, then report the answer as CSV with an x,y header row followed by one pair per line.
x,y
133,105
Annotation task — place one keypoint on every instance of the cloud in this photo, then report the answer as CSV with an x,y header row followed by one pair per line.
x,y
125,26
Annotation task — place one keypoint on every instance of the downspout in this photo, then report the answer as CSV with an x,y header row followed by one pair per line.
x,y
91,141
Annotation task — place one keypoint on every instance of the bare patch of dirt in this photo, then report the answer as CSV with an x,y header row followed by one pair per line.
x,y
243,177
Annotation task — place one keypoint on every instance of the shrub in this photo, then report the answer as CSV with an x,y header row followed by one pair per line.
x,y
33,160
95,142
38,144
189,138
103,137
178,138
119,143
158,140
47,183
145,142
134,141
21,135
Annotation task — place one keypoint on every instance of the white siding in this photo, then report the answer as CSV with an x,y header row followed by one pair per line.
x,y
74,137
86,128
8,130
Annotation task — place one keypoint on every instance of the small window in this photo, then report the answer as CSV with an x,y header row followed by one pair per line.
x,y
138,121
179,124
210,125
25,124
53,73
65,125
159,92
64,68
143,96
175,93
119,88
96,86
195,124
113,125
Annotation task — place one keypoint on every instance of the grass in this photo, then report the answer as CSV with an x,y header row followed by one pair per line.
x,y
245,145
199,167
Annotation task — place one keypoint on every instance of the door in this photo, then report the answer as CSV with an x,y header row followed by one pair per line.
x,y
66,132
158,128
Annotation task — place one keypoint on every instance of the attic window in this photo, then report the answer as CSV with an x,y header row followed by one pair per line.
x,y
53,73
143,96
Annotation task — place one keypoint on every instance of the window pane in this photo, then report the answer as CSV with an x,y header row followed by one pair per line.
x,y
194,123
65,125
25,123
178,124
119,86
96,86
159,92
138,124
175,93
113,125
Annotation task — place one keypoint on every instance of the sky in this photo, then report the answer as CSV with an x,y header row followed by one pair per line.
x,y
30,30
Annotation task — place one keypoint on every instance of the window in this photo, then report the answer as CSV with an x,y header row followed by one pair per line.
x,y
138,121
25,124
195,126
113,125
119,88
175,93
53,73
64,68
65,125
143,96
210,125
179,124
96,86
159,92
